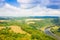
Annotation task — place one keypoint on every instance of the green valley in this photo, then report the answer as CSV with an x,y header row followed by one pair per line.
x,y
26,28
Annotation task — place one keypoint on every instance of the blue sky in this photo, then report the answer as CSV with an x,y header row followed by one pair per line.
x,y
55,3
13,2
30,8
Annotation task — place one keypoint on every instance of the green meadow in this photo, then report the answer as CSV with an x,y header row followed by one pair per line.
x,y
28,28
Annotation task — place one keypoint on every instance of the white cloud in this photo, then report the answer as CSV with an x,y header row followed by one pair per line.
x,y
9,10
24,1
25,4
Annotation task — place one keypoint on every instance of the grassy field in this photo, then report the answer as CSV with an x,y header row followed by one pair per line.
x,y
25,30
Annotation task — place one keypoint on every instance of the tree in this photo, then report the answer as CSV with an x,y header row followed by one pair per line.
x,y
58,29
56,21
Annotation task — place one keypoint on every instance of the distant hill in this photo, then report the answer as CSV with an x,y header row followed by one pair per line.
x,y
43,16
9,18
4,18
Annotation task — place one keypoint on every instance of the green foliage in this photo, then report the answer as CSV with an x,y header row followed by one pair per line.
x,y
5,34
56,31
56,21
32,29
35,33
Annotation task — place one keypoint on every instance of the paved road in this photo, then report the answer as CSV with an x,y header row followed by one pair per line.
x,y
48,32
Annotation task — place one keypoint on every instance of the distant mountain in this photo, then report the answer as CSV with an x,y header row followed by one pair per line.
x,y
5,18
43,16
9,18
1,18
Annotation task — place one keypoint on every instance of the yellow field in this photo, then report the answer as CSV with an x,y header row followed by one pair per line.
x,y
1,27
16,29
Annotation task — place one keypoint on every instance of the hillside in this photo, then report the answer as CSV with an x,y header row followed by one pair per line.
x,y
20,30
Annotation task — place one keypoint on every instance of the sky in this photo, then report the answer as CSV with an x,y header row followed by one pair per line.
x,y
29,7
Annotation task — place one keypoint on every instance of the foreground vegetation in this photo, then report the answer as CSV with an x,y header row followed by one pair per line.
x,y
56,30
32,30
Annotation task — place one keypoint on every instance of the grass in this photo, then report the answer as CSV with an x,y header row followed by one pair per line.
x,y
20,30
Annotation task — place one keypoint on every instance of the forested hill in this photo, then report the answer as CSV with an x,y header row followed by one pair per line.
x,y
44,17
9,18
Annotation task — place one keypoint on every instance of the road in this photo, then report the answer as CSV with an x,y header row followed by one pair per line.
x,y
48,32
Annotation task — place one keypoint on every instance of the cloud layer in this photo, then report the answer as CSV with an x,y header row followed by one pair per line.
x,y
9,10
